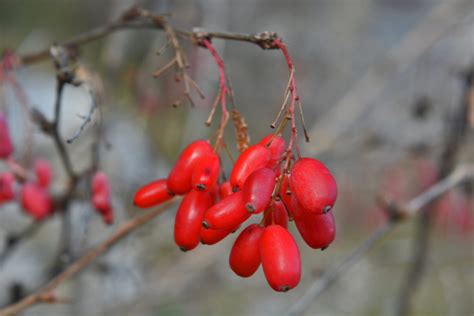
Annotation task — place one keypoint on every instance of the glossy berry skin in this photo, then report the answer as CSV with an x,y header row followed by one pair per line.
x,y
6,147
317,230
213,236
277,215
180,178
225,189
187,226
313,185
36,201
255,157
6,187
257,190
206,172
277,145
43,173
153,193
244,257
280,257
227,213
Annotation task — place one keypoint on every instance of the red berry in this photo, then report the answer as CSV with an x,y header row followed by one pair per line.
x,y
108,217
257,190
152,194
101,202
255,157
43,172
6,187
313,185
317,230
244,257
6,147
206,172
276,144
36,201
227,213
179,179
187,226
213,236
100,183
277,214
225,189
280,257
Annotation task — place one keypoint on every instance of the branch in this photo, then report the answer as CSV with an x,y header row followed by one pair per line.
x,y
133,19
410,209
46,294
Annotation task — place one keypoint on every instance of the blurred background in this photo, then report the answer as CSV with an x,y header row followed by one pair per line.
x,y
384,86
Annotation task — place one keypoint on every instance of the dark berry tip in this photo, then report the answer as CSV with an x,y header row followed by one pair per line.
x,y
201,187
327,208
205,224
250,208
183,249
284,288
324,248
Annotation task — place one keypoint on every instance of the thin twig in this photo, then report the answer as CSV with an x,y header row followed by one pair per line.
x,y
459,175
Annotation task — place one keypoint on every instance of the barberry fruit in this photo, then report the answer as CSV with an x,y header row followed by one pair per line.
x,y
227,213
152,194
253,158
313,185
187,226
280,257
257,190
244,257
180,178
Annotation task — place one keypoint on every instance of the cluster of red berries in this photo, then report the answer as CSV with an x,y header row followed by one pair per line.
x,y
210,210
34,192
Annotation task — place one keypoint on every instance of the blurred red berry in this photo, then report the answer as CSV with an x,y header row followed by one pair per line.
x,y
36,201
6,147
43,172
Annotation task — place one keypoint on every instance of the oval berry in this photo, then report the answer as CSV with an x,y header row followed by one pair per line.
x,y
244,257
227,213
152,194
225,189
255,157
280,257
277,214
313,185
100,183
276,144
317,230
213,236
36,201
257,190
43,172
206,172
187,226
6,147
179,179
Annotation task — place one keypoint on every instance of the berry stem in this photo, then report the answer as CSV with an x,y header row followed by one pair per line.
x,y
221,95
